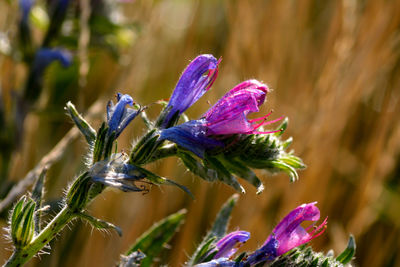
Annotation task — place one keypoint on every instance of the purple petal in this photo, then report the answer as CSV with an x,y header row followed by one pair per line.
x,y
228,115
197,78
118,115
229,244
192,136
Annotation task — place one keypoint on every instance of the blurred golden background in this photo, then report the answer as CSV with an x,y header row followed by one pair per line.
x,y
334,67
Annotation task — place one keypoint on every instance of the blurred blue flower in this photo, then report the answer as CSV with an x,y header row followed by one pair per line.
x,y
25,7
197,78
118,116
45,56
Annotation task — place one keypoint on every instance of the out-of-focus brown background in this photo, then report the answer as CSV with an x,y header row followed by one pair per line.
x,y
334,67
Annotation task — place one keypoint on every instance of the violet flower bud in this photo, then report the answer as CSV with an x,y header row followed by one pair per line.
x,y
118,116
196,79
229,244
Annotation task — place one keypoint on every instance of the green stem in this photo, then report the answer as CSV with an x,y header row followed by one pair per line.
x,y
22,255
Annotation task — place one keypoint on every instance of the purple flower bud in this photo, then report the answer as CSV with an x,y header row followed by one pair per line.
x,y
221,262
197,78
229,244
289,234
229,114
45,56
118,116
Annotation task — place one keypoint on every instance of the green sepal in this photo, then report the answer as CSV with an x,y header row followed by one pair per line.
x,y
347,255
99,143
86,129
222,173
22,222
197,167
144,150
282,127
156,179
241,170
153,240
37,195
108,146
99,224
218,230
304,256
77,196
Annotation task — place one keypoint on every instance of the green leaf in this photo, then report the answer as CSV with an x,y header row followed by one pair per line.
x,y
37,194
86,129
197,167
99,224
241,170
99,143
153,240
156,179
223,174
347,255
218,230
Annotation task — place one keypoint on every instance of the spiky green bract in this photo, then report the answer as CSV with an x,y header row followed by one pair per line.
x,y
218,230
77,196
241,154
22,222
153,240
305,256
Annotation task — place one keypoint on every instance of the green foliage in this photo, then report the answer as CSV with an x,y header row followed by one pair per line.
x,y
242,152
86,129
22,222
218,230
347,255
153,240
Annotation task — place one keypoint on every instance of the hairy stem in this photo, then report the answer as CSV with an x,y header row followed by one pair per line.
x,y
22,255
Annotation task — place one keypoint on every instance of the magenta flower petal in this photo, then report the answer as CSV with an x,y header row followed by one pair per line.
x,y
229,114
289,234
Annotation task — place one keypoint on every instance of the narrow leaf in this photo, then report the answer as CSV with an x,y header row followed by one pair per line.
x,y
153,240
347,255
88,132
37,194
99,224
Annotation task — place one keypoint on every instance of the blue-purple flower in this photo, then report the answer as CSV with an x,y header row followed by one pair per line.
x,y
229,244
197,78
228,116
289,234
25,7
118,115
45,56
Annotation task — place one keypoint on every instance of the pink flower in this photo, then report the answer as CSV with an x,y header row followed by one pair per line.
x,y
289,234
229,114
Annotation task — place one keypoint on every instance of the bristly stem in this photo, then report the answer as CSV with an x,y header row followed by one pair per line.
x,y
22,255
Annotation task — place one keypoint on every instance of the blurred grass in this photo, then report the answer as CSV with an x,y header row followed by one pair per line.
x,y
335,70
